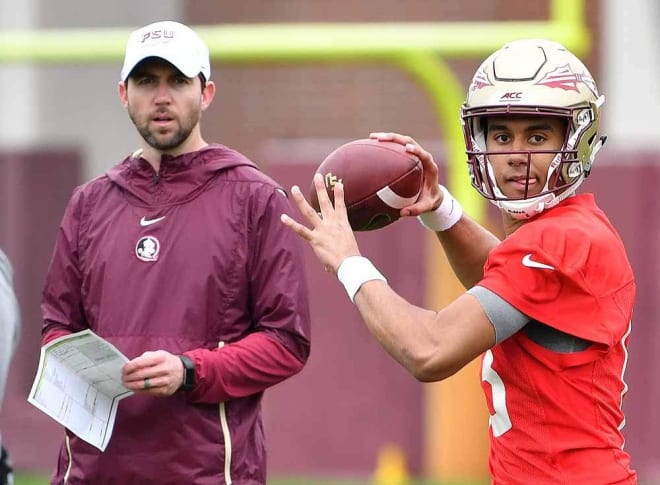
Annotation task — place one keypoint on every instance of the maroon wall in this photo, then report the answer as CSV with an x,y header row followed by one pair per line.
x,y
629,196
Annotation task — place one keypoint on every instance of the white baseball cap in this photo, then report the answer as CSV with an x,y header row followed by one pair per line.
x,y
172,41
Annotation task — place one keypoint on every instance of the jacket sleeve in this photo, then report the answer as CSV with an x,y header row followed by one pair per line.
x,y
246,367
280,343
61,302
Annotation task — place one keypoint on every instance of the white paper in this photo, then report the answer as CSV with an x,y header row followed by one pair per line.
x,y
78,384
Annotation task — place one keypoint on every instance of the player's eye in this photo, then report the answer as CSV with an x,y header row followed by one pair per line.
x,y
502,138
537,139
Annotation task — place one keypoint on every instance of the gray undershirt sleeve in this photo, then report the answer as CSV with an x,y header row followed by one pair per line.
x,y
9,320
505,318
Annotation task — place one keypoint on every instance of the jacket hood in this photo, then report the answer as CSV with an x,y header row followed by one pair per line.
x,y
180,178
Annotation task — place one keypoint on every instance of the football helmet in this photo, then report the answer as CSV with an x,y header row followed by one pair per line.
x,y
533,77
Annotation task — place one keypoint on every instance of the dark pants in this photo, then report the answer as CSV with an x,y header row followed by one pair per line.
x,y
6,471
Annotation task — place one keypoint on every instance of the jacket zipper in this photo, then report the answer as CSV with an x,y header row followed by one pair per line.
x,y
68,452
226,436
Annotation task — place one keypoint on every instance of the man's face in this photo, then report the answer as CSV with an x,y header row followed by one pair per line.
x,y
520,174
164,105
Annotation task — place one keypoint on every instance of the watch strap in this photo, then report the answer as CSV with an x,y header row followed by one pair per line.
x,y
188,373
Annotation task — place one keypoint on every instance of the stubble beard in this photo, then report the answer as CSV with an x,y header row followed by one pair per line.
x,y
170,143
166,142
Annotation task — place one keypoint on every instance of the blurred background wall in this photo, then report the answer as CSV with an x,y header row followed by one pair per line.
x,y
61,125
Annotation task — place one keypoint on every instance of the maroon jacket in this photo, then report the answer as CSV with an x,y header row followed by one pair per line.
x,y
195,260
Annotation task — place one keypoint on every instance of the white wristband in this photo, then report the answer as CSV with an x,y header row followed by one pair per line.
x,y
355,271
445,216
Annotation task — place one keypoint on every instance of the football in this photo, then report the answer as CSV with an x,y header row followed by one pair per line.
x,y
379,178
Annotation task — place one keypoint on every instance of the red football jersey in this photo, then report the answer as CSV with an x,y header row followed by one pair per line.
x,y
556,417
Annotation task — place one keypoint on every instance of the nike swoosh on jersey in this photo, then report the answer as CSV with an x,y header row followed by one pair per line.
x,y
147,222
530,263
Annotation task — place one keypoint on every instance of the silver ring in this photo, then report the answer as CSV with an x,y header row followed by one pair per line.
x,y
147,384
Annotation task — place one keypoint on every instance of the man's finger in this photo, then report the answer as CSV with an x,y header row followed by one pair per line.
x,y
304,207
379,135
147,360
340,204
296,227
395,137
322,194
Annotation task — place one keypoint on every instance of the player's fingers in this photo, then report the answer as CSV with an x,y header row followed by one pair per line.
x,y
322,194
429,170
428,164
382,136
340,204
305,209
428,200
417,208
296,227
395,137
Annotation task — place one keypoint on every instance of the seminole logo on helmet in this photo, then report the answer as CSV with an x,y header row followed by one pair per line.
x,y
564,78
480,80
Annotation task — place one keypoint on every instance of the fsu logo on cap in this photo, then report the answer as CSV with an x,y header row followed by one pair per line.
x,y
158,34
147,249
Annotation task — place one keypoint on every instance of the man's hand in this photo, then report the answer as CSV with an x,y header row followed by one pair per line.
x,y
430,196
158,373
330,235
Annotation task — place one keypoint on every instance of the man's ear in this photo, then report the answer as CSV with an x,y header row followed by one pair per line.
x,y
208,94
123,93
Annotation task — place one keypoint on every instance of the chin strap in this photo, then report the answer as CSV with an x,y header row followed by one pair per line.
x,y
526,209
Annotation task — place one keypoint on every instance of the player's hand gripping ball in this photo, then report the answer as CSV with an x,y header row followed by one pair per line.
x,y
379,177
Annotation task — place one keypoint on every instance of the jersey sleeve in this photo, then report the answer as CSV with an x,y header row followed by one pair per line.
x,y
567,278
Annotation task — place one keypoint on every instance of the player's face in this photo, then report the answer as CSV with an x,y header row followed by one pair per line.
x,y
519,171
164,105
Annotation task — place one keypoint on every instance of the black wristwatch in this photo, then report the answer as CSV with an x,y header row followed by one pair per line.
x,y
188,373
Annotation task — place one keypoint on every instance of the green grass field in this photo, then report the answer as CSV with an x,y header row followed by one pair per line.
x,y
22,479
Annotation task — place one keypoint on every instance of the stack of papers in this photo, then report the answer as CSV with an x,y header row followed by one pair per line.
x,y
78,384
